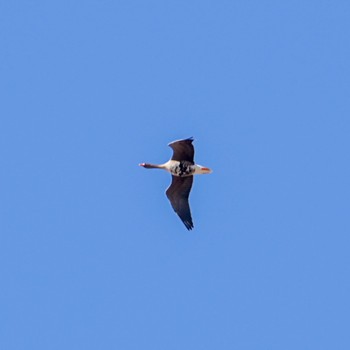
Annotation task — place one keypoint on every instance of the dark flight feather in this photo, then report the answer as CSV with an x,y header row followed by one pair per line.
x,y
178,193
183,150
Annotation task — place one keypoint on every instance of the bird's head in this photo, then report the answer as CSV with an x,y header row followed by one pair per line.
x,y
148,166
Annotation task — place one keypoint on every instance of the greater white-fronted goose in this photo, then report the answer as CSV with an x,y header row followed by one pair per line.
x,y
182,168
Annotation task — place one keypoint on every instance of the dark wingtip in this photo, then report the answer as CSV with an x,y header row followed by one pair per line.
x,y
188,139
189,225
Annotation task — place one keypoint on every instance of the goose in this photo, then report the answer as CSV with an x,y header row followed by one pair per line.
x,y
182,168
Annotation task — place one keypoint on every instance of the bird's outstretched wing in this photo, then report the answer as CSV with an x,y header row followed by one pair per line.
x,y
183,150
178,193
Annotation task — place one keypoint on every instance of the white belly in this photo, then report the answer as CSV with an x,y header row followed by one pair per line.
x,y
181,169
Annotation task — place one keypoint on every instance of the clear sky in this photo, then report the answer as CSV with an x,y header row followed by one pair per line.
x,y
91,254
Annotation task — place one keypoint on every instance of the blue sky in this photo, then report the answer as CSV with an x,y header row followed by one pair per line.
x,y
92,255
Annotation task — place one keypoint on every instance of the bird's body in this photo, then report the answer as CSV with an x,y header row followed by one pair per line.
x,y
178,168
182,168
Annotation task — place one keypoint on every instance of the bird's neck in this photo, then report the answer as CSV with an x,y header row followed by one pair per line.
x,y
153,166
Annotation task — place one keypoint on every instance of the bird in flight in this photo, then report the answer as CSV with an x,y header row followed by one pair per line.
x,y
182,168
